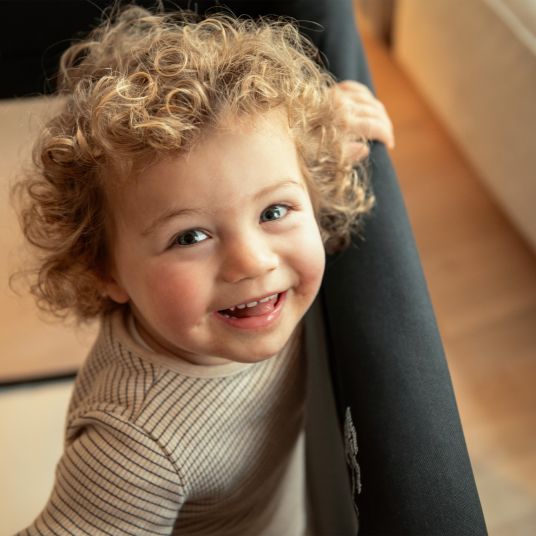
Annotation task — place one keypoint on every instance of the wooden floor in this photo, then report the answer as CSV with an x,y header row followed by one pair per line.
x,y
482,280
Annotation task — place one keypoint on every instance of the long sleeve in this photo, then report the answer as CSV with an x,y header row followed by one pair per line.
x,y
113,478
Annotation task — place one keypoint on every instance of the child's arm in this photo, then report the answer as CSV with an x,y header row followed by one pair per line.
x,y
112,479
362,117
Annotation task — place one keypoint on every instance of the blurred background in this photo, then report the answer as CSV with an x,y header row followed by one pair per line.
x,y
458,78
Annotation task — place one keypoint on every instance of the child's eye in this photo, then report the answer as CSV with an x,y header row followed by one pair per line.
x,y
189,238
274,212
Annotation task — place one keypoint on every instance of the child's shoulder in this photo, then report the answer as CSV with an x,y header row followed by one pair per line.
x,y
115,378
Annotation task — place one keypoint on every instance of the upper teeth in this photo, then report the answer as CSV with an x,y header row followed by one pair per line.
x,y
253,303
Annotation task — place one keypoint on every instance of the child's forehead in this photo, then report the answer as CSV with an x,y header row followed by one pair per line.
x,y
228,128
262,143
273,120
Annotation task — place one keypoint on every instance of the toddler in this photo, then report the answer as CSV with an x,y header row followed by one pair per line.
x,y
186,194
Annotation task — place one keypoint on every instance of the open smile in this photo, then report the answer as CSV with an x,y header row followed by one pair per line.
x,y
254,314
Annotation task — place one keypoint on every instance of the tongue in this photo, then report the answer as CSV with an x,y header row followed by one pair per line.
x,y
257,310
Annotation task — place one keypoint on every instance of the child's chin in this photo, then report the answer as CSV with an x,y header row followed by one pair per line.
x,y
254,358
258,355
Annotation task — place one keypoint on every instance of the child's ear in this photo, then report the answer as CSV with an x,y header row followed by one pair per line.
x,y
114,290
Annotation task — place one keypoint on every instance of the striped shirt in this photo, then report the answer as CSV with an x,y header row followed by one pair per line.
x,y
157,445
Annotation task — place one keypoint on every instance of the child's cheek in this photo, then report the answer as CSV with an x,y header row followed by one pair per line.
x,y
310,258
179,294
317,263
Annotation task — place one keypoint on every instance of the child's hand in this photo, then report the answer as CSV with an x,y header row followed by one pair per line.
x,y
362,116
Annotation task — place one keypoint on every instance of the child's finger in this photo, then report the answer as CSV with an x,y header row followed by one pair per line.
x,y
355,151
360,119
371,128
362,114
361,95
366,111
367,101
355,87
360,103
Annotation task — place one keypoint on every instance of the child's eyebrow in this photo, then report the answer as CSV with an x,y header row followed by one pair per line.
x,y
271,187
174,212
168,215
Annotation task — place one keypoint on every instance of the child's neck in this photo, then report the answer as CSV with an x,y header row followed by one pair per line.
x,y
143,337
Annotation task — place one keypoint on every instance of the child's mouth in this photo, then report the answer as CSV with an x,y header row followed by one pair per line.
x,y
255,314
255,308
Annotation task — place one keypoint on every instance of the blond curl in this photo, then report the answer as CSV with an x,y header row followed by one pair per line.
x,y
143,86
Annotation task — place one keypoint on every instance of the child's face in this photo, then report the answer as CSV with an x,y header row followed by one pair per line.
x,y
205,232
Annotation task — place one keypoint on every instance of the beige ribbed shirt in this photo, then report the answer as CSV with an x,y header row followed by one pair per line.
x,y
157,445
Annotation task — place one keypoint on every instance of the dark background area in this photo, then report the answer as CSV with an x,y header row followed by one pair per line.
x,y
36,32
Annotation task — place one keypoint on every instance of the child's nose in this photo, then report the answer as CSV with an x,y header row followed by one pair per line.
x,y
248,258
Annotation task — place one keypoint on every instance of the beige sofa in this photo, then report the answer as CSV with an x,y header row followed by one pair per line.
x,y
474,61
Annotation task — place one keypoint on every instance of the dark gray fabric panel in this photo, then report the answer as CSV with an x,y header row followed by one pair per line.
x,y
328,487
389,368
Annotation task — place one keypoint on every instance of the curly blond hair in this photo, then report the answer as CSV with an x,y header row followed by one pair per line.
x,y
145,85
